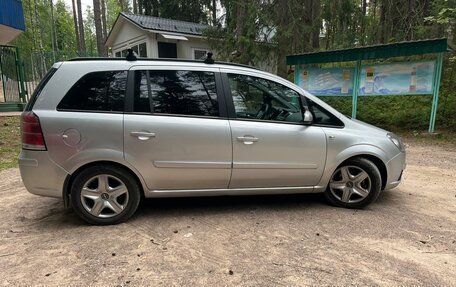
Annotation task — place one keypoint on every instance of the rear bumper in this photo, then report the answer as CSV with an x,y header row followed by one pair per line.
x,y
40,174
395,168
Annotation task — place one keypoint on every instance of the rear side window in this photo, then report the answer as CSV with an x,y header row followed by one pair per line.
x,y
98,91
176,92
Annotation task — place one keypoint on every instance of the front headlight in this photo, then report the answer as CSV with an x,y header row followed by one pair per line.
x,y
396,141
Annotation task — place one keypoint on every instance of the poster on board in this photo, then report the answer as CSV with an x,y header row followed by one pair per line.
x,y
397,79
326,81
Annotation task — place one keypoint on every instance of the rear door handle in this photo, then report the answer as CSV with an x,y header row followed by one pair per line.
x,y
247,139
143,135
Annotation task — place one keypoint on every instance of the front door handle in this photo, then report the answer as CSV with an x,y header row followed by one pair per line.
x,y
143,135
247,139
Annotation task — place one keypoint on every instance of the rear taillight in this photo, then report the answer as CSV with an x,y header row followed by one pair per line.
x,y
32,136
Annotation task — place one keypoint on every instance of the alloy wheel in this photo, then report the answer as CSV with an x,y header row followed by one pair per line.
x,y
350,184
104,196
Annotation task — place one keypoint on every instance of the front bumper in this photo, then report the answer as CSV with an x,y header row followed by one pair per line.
x,y
40,174
395,167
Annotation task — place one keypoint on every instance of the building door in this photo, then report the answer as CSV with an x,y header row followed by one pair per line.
x,y
167,50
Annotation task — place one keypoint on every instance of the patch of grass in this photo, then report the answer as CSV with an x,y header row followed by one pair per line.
x,y
10,141
399,113
443,138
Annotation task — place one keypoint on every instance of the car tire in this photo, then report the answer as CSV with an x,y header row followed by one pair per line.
x,y
105,194
354,184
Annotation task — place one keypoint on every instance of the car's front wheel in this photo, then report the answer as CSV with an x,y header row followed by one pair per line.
x,y
354,184
105,194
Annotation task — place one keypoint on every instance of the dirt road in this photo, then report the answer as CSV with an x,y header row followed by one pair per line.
x,y
408,237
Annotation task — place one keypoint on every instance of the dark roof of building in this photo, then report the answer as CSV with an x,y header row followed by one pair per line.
x,y
166,25
409,48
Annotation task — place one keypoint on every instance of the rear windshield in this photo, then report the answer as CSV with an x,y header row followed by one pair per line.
x,y
39,88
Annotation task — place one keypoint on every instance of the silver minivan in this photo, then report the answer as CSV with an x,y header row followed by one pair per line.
x,y
104,133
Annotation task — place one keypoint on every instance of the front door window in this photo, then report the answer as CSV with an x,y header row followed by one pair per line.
x,y
261,99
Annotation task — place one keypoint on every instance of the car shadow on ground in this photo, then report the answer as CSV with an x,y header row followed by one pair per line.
x,y
56,216
189,205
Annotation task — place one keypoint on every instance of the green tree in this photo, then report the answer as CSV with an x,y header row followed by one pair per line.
x,y
89,28
64,28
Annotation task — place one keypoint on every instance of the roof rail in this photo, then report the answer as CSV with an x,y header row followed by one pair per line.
x,y
81,59
130,55
209,59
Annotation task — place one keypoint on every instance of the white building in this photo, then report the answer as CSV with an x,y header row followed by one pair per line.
x,y
155,37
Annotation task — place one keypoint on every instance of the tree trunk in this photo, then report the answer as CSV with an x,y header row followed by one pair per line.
x,y
140,7
410,20
382,23
214,12
122,5
32,25
135,7
283,40
147,7
98,28
316,25
40,29
81,28
76,32
363,22
53,38
155,8
151,7
328,36
103,20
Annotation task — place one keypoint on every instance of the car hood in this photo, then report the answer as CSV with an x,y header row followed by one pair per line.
x,y
368,127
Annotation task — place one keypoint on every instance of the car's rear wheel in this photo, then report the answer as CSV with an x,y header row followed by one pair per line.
x,y
105,194
354,184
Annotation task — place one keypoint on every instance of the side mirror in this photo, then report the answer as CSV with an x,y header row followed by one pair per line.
x,y
307,117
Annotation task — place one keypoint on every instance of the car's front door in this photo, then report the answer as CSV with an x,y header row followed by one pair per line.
x,y
175,135
271,145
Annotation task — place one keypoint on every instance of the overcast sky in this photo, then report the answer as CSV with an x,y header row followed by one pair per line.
x,y
84,4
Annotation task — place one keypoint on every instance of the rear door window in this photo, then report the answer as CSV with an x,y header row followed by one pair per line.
x,y
97,91
176,92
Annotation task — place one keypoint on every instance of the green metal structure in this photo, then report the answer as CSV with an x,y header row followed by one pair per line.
x,y
436,47
13,82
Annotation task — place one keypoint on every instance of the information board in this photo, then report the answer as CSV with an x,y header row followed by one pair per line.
x,y
397,79
326,81
405,78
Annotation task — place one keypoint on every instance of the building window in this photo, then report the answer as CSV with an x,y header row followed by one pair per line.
x,y
199,54
140,51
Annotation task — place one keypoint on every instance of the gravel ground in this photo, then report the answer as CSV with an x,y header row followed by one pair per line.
x,y
408,237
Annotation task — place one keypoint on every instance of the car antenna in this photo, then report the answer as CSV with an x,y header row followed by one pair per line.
x,y
130,55
209,59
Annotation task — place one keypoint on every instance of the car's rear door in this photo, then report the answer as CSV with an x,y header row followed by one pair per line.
x,y
175,129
